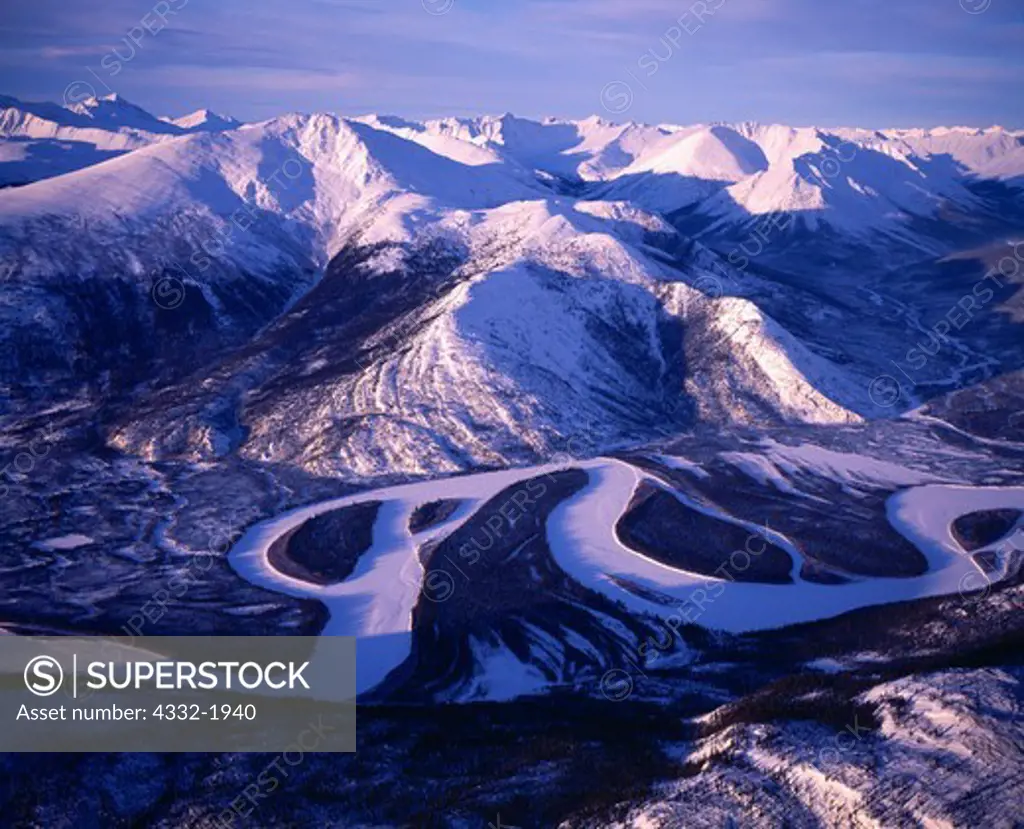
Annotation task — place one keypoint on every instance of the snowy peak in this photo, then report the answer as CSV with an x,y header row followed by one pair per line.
x,y
322,177
204,120
42,140
852,180
715,153
14,111
83,120
113,112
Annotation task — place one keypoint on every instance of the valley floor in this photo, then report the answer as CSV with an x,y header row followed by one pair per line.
x,y
519,658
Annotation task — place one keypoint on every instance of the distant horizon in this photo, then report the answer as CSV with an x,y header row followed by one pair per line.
x,y
534,118
876,65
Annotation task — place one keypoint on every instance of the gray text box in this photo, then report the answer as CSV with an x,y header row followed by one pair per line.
x,y
178,693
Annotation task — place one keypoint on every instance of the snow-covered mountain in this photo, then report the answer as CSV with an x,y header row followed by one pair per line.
x,y
599,422
113,112
854,180
42,140
370,295
204,119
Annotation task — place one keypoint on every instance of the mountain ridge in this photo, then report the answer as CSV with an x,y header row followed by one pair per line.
x,y
495,236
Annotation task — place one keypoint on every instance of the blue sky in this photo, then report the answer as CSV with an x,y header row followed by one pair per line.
x,y
870,63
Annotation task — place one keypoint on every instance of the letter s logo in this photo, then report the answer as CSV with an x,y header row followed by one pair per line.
x,y
43,676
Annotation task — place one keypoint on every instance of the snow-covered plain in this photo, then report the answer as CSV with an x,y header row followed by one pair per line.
x,y
376,603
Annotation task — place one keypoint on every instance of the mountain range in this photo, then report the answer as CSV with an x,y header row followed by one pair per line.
x,y
374,295
665,475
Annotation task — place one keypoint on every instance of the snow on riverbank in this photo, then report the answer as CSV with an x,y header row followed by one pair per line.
x,y
590,552
376,602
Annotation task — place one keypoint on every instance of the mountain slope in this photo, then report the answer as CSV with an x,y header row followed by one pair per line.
x,y
42,140
496,337
371,294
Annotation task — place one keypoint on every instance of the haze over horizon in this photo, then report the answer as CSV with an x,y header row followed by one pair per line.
x,y
957,62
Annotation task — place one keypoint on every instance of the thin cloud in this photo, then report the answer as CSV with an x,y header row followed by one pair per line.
x,y
767,60
58,52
